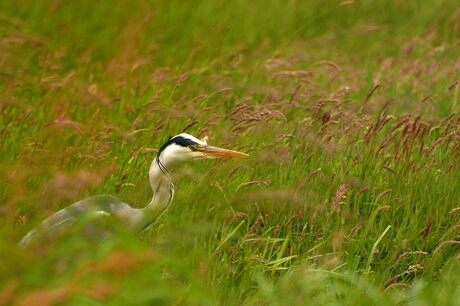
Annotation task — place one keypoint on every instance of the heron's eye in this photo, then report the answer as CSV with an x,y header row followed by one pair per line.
x,y
195,147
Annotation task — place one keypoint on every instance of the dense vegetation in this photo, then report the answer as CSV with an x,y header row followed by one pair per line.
x,y
349,110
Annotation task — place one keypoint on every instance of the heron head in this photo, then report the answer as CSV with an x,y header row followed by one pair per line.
x,y
184,147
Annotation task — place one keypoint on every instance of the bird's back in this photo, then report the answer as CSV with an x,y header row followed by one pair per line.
x,y
92,211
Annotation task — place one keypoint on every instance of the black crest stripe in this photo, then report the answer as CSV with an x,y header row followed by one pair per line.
x,y
179,140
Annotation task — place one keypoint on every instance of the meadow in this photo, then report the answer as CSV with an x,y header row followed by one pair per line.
x,y
349,110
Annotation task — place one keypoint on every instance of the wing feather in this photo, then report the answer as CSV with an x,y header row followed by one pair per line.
x,y
94,209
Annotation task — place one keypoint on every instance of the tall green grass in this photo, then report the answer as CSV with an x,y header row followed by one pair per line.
x,y
349,110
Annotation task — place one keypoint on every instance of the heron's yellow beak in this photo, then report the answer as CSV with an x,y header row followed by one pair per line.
x,y
210,151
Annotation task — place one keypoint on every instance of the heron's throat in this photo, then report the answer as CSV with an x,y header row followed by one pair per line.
x,y
162,187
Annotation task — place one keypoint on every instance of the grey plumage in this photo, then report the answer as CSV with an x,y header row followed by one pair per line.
x,y
92,211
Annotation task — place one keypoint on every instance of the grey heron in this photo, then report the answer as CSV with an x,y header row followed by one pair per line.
x,y
176,150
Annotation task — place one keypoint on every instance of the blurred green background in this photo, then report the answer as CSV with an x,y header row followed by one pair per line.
x,y
349,109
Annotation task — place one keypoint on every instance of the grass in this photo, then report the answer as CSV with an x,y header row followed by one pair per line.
x,y
349,110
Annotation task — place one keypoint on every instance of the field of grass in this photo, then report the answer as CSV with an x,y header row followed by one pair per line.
x,y
349,109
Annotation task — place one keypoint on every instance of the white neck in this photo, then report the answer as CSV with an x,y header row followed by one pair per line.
x,y
162,187
163,193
